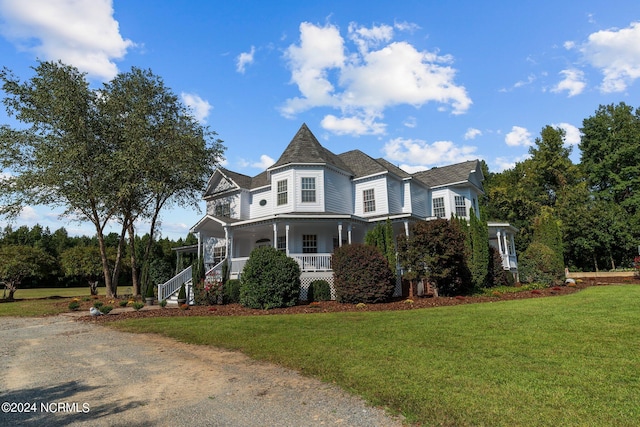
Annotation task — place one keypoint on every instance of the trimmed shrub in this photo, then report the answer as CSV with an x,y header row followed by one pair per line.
x,y
270,279
231,291
536,265
319,290
106,309
361,274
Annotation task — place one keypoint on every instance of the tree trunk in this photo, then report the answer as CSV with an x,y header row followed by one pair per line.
x,y
144,274
134,267
111,292
118,263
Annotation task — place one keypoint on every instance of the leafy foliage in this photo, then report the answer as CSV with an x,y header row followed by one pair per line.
x,y
270,279
319,290
361,275
381,236
436,250
498,276
231,291
121,152
21,262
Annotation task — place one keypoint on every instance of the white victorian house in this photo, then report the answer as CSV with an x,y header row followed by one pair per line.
x,y
312,201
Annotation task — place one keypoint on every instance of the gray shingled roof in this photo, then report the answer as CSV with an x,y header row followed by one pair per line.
x,y
243,181
305,148
361,164
393,168
443,175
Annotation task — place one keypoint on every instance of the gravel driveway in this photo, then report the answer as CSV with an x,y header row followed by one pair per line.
x,y
65,372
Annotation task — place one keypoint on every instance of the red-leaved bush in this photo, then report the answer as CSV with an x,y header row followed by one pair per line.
x,y
361,274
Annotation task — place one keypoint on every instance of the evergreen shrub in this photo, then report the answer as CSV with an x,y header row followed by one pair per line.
x,y
231,291
270,279
319,290
361,275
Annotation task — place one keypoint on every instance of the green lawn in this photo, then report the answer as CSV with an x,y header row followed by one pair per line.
x,y
570,361
62,292
46,301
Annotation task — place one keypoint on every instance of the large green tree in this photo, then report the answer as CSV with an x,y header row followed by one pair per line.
x,y
611,162
435,250
19,262
121,152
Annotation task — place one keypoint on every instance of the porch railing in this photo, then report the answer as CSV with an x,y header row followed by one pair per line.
x,y
307,262
166,289
313,262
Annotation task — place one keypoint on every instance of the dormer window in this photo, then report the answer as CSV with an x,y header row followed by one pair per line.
x,y
308,186
282,192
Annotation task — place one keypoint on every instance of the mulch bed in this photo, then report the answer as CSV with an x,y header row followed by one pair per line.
x,y
333,306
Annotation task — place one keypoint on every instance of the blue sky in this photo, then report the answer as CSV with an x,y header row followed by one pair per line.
x,y
420,83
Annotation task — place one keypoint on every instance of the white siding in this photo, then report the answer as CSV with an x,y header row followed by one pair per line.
x,y
288,175
234,201
338,191
299,205
379,185
420,201
394,195
256,209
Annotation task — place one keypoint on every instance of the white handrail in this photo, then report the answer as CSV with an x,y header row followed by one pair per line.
x,y
166,289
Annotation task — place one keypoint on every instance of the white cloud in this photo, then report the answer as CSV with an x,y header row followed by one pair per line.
x,y
518,136
416,154
471,133
573,82
572,133
81,33
264,163
616,53
410,122
198,106
354,126
501,164
244,59
381,73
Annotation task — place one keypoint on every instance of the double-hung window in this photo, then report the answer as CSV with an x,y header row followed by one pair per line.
x,y
282,243
461,206
309,244
282,192
223,209
438,207
308,186
369,200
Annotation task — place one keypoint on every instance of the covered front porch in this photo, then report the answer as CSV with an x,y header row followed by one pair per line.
x,y
309,239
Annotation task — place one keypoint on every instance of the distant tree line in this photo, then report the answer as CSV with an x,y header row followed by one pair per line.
x,y
588,214
55,259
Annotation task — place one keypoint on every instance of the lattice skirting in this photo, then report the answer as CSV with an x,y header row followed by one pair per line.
x,y
307,277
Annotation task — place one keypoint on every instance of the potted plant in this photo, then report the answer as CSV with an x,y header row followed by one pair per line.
x,y
182,295
149,296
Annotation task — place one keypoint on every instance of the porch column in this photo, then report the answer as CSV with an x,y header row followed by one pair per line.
x,y
406,228
226,243
340,234
349,228
506,244
199,245
286,228
499,236
275,235
513,245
